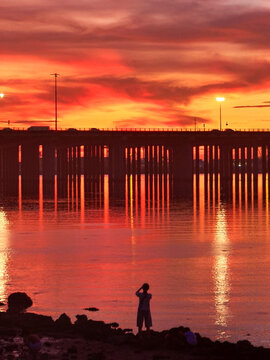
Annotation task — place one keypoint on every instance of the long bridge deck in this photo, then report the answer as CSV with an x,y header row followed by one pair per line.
x,y
94,152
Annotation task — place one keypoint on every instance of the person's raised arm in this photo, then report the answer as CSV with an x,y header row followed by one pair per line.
x,y
138,291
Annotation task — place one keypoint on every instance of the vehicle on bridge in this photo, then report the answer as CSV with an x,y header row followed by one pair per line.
x,y
38,128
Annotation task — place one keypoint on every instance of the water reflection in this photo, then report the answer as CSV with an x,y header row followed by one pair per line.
x,y
4,249
221,273
197,251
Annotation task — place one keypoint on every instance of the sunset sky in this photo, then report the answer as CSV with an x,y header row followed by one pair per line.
x,y
135,63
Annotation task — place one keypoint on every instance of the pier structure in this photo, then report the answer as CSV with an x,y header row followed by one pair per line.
x,y
174,155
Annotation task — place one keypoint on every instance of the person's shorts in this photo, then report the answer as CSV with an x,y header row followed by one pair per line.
x,y
144,316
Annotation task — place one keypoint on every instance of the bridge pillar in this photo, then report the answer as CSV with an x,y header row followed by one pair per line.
x,y
62,171
146,160
48,169
117,162
216,161
10,170
226,160
79,162
197,160
30,169
243,160
160,151
155,159
255,169
127,153
133,160
182,169
236,162
88,162
165,161
139,160
211,159
151,158
205,148
264,159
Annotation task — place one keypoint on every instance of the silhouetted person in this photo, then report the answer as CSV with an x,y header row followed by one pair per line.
x,y
33,343
144,313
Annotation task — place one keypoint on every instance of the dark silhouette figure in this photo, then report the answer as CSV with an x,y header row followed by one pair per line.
x,y
33,343
144,313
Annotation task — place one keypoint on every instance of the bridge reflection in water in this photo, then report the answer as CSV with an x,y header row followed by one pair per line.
x,y
139,193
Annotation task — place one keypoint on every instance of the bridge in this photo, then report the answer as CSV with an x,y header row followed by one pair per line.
x,y
180,154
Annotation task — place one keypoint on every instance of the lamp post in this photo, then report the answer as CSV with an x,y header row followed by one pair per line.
x,y
55,100
220,99
2,95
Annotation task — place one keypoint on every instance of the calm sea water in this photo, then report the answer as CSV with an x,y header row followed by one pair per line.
x,y
207,260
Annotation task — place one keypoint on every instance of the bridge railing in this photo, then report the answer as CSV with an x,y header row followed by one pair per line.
x,y
146,129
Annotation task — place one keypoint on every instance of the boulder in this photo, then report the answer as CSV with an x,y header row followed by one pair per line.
x,y
63,322
18,302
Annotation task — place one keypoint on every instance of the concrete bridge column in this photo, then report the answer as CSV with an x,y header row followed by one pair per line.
x,y
249,169
182,169
1,164
268,161
155,159
133,160
205,159
151,168
255,169
62,171
10,170
94,161
264,159
160,153
197,160
117,162
236,162
146,160
225,158
216,162
48,169
30,169
211,159
102,161
139,170
243,160
127,156
78,160
165,161
255,160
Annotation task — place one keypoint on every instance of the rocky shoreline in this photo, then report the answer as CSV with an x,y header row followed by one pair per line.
x,y
96,340
87,339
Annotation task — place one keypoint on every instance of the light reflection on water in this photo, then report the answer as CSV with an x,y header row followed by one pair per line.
x,y
206,258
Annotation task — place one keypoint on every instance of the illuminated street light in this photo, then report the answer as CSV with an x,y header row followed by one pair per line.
x,y
220,99
2,95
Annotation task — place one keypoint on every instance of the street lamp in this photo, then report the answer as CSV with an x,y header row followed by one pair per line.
x,y
220,99
2,95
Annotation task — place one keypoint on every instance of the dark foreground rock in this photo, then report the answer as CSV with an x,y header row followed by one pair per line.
x,y
167,344
19,302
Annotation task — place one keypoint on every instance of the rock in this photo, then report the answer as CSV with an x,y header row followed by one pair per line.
x,y
244,344
36,322
81,319
63,322
127,330
18,302
91,309
114,325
